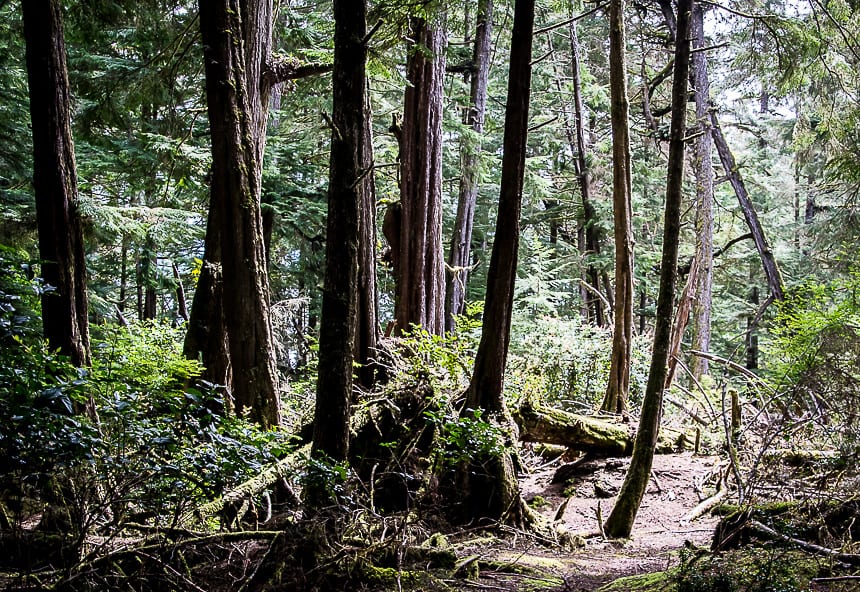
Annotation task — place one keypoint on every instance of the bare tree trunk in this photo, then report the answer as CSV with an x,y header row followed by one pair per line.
x,y
420,271
206,336
61,246
339,306
490,490
149,279
181,305
583,175
615,399
367,333
236,36
620,521
470,153
701,313
771,269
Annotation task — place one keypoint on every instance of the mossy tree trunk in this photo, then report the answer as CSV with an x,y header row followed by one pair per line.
x,y
620,521
615,399
701,313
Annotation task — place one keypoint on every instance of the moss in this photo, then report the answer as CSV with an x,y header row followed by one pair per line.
x,y
661,581
538,501
388,577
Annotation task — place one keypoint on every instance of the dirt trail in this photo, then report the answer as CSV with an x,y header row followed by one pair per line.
x,y
680,482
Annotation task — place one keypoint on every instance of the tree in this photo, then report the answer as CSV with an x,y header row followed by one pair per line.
x,y
236,36
590,230
61,245
620,521
348,167
419,262
485,390
703,280
615,400
768,261
367,331
470,150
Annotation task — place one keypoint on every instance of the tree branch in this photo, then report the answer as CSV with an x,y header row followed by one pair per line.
x,y
283,69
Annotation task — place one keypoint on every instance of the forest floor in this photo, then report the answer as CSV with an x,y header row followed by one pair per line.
x,y
679,483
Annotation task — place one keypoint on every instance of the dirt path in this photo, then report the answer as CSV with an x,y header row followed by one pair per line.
x,y
680,482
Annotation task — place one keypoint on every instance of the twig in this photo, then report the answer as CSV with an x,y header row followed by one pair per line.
x,y
849,558
549,28
693,415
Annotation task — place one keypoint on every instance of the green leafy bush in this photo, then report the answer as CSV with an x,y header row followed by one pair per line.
x,y
814,361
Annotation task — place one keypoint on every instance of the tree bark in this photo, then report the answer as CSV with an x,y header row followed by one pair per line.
x,y
236,36
420,273
771,269
620,521
367,333
615,399
338,323
588,434
485,390
61,246
591,230
470,152
701,312
206,334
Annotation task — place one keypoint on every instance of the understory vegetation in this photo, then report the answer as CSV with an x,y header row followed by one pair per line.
x,y
159,489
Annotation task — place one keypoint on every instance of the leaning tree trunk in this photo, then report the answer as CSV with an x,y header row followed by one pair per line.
x,y
236,38
615,399
61,244
620,521
490,490
470,152
348,162
420,271
768,261
701,313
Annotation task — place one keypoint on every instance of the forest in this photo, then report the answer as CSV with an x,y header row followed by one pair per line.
x,y
425,295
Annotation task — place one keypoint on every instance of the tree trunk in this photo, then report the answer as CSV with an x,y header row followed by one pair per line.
x,y
236,36
583,175
490,489
367,333
61,245
620,521
206,336
701,313
181,304
751,338
420,271
470,153
615,399
345,202
771,269
149,280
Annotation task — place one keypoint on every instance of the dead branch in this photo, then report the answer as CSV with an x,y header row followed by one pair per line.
x,y
849,558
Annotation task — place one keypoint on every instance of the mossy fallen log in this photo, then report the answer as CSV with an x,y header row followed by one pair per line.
x,y
553,426
538,423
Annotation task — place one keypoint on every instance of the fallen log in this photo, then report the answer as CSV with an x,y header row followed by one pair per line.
x,y
589,434
538,423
